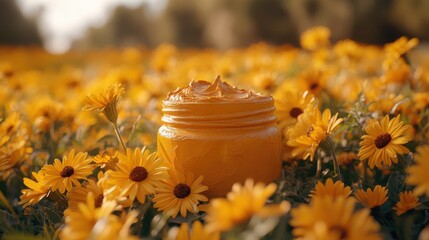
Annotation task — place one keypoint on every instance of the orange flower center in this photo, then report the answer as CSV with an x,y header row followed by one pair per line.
x,y
313,86
382,140
341,230
99,200
138,174
182,190
309,131
67,171
295,112
9,129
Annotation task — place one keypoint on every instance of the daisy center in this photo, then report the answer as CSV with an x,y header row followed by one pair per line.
x,y
99,200
382,140
9,129
341,230
313,86
67,171
309,131
295,112
138,174
182,190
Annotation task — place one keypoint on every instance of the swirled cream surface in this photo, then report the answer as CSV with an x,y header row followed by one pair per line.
x,y
217,104
218,91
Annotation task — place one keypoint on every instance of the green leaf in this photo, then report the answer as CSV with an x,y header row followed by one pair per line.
x,y
53,216
423,206
6,221
106,138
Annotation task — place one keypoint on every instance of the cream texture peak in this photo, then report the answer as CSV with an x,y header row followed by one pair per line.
x,y
218,91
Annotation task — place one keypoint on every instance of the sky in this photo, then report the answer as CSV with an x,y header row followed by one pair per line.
x,y
62,21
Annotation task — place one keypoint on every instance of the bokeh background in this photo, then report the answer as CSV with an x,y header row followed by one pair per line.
x,y
64,25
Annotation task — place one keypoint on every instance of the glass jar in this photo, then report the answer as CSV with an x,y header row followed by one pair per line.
x,y
223,133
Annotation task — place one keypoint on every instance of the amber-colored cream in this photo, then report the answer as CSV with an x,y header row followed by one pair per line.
x,y
221,132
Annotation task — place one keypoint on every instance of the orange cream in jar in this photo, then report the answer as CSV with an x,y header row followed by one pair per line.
x,y
222,133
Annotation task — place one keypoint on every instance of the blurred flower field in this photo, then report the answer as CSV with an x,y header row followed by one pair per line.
x,y
78,147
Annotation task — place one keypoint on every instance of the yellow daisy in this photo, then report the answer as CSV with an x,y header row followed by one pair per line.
x,y
107,158
105,101
14,144
329,218
331,189
372,198
398,48
180,193
89,222
241,204
197,232
10,124
79,224
36,190
315,38
349,49
384,141
418,173
138,173
407,201
289,105
65,174
78,194
6,70
401,46
312,128
13,153
313,80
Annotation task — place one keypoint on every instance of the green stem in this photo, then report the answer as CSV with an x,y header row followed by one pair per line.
x,y
337,171
59,198
336,166
319,164
365,174
6,203
118,135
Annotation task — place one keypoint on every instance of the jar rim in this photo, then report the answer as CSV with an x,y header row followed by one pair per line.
x,y
219,115
214,101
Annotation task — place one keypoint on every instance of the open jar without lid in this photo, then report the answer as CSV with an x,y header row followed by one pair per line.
x,y
220,132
